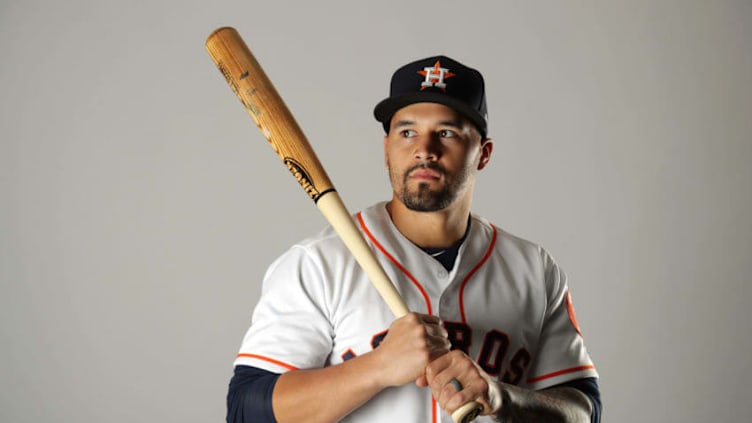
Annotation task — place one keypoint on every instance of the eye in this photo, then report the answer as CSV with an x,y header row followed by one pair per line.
x,y
447,133
408,133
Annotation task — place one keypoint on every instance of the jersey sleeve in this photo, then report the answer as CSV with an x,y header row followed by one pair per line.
x,y
290,327
560,355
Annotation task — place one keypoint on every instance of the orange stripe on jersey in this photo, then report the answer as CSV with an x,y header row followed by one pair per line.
x,y
267,359
572,315
559,373
396,263
472,272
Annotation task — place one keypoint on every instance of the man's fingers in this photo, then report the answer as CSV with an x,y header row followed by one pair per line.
x,y
455,379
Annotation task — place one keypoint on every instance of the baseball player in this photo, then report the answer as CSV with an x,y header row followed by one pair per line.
x,y
492,318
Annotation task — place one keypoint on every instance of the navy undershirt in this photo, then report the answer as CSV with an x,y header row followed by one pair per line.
x,y
447,256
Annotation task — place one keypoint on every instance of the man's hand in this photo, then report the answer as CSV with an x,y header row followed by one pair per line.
x,y
413,341
476,384
556,404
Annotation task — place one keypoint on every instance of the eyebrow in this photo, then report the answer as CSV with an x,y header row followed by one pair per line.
x,y
402,122
453,123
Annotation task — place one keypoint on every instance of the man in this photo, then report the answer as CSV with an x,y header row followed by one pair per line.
x,y
492,317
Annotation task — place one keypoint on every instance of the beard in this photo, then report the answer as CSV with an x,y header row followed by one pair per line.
x,y
425,199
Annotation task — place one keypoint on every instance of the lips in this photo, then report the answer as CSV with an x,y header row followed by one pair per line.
x,y
425,173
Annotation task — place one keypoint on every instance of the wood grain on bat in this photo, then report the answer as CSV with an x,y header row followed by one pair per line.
x,y
264,104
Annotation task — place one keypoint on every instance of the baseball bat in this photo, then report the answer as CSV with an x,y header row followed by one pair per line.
x,y
263,103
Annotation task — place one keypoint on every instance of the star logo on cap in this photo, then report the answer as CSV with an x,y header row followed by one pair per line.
x,y
435,77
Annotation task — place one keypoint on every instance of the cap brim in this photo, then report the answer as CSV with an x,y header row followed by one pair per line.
x,y
389,106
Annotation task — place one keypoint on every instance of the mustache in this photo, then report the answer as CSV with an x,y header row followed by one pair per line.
x,y
426,165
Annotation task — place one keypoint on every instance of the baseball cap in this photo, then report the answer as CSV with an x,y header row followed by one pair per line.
x,y
437,79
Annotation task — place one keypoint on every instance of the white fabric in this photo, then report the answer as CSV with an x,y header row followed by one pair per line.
x,y
317,306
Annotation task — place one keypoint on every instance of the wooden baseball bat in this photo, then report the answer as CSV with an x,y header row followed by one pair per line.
x,y
262,101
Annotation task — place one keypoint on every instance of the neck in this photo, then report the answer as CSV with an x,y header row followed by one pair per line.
x,y
439,229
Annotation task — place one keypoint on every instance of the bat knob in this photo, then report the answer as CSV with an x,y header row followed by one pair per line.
x,y
467,412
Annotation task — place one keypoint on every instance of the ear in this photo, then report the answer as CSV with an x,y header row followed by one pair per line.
x,y
486,148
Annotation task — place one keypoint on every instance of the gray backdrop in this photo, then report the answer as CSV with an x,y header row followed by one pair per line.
x,y
140,206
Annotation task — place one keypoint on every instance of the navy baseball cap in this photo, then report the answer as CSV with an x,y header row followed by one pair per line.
x,y
437,79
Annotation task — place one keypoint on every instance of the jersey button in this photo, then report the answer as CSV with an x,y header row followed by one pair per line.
x,y
441,274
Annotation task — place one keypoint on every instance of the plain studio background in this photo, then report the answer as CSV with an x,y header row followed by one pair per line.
x,y
140,206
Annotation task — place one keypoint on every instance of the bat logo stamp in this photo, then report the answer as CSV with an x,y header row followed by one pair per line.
x,y
302,176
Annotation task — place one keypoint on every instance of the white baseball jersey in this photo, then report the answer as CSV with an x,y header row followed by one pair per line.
x,y
505,303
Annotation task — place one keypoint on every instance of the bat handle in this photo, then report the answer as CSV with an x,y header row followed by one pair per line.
x,y
467,412
332,207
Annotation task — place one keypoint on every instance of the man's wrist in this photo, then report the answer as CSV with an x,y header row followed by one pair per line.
x,y
496,397
501,401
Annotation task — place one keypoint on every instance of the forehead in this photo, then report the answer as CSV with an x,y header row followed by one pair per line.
x,y
427,112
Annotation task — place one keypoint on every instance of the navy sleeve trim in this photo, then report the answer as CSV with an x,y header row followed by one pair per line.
x,y
249,396
589,387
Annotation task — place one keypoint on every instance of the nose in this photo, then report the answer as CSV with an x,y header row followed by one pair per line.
x,y
427,148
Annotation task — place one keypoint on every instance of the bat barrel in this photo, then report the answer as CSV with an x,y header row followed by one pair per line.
x,y
263,103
